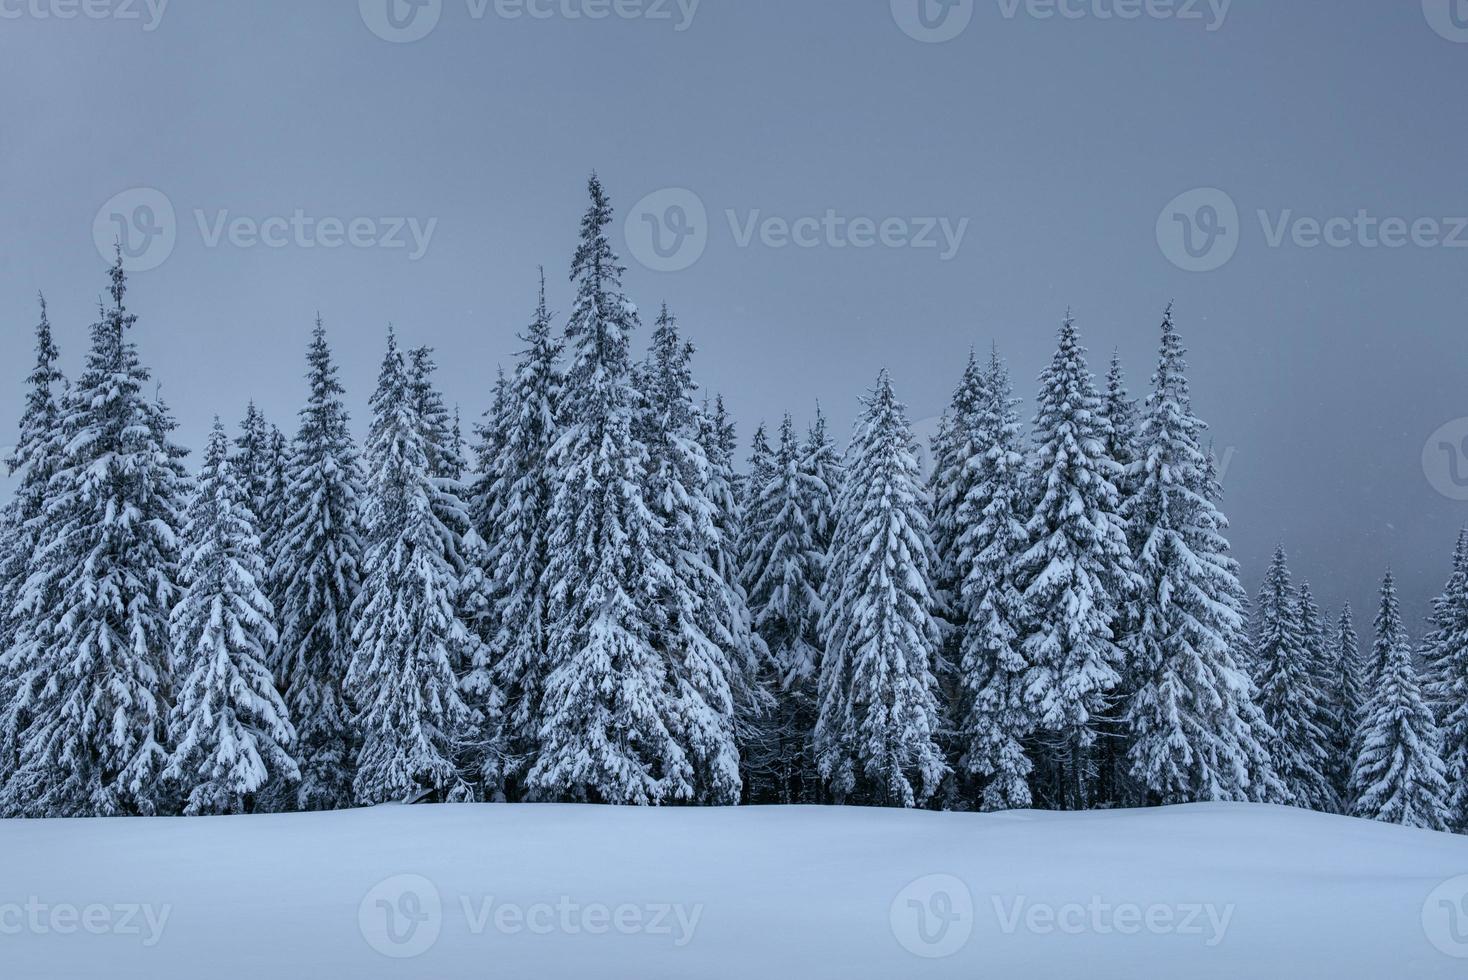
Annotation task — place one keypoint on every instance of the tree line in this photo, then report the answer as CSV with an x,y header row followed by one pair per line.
x,y
588,599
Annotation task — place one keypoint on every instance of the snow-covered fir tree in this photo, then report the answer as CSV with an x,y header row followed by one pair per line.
x,y
407,635
317,575
1288,691
754,700
700,628
1119,409
1192,728
1320,659
788,568
821,461
993,717
760,473
516,485
30,464
608,718
260,470
1348,699
954,454
954,451
1077,566
1399,776
253,462
878,712
96,680
229,729
1447,655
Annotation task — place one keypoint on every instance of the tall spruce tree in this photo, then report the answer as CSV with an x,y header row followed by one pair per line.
x,y
955,450
1398,777
1288,691
1192,728
96,680
317,576
788,569
608,725
517,483
878,710
1077,567
230,730
1349,701
407,635
1318,656
821,461
703,629
1447,654
993,712
31,465
252,461
1114,784
760,474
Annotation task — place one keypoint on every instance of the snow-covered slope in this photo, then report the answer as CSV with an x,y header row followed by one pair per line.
x,y
561,891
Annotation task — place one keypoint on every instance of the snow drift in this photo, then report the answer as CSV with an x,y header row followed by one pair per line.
x,y
771,892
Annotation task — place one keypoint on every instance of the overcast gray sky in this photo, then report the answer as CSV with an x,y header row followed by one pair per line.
x,y
964,173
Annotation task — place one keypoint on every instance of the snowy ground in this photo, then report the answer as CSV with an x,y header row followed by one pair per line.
x,y
771,893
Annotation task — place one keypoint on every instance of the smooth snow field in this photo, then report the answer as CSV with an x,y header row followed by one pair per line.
x,y
765,892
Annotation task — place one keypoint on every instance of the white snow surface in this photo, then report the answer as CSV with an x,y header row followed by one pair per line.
x,y
763,892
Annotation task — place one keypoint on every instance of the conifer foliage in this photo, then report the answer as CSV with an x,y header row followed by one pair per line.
x,y
608,729
1447,654
995,716
407,635
317,575
229,730
95,677
1288,691
1194,731
22,529
598,608
1077,570
878,707
1398,777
